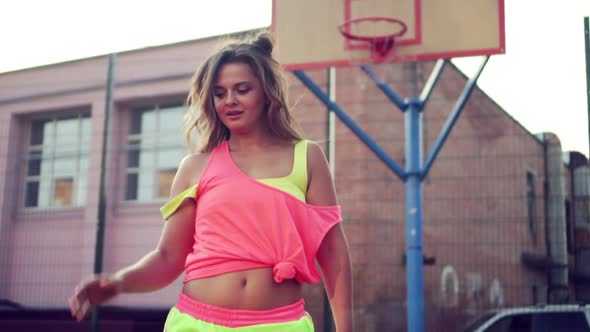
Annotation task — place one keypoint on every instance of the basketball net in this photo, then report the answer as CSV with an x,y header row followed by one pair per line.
x,y
371,39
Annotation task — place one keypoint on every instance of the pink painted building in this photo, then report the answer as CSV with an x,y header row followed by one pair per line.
x,y
486,204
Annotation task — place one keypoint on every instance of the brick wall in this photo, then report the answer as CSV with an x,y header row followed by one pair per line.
x,y
476,221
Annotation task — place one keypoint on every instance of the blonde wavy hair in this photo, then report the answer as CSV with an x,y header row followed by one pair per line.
x,y
200,116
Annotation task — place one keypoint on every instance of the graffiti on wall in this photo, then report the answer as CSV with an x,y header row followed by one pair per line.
x,y
475,290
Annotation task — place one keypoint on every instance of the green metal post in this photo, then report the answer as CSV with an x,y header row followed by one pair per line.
x,y
587,43
102,200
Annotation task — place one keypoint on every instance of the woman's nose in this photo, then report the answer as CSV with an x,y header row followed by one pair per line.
x,y
230,98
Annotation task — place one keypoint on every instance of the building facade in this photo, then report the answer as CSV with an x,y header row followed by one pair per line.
x,y
497,231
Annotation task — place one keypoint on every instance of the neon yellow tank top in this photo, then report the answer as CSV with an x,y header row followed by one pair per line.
x,y
295,183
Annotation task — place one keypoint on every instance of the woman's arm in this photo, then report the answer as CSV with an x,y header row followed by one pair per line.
x,y
333,254
159,267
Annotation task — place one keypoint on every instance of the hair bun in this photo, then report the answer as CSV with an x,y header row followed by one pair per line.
x,y
264,42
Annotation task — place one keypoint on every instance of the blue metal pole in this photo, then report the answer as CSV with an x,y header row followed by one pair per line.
x,y
413,124
414,266
371,144
432,80
381,84
414,172
459,105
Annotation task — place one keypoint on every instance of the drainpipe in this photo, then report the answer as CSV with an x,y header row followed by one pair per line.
x,y
558,291
581,224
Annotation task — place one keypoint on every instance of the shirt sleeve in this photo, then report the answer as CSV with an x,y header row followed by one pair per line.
x,y
320,220
172,205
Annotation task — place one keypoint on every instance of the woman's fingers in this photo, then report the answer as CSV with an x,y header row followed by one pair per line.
x,y
73,306
80,304
78,308
84,309
96,290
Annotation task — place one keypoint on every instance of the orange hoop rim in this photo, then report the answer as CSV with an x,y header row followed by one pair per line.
x,y
373,39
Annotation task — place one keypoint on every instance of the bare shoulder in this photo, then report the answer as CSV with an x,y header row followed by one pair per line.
x,y
189,171
194,162
320,190
316,161
315,154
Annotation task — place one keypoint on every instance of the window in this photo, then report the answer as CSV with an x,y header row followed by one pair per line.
x,y
154,150
561,321
63,192
531,196
512,323
165,178
56,162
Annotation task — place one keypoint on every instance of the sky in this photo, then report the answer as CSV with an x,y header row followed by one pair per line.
x,y
540,80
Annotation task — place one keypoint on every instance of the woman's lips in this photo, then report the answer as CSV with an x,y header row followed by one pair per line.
x,y
233,115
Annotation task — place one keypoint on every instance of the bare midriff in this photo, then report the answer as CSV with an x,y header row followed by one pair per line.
x,y
253,289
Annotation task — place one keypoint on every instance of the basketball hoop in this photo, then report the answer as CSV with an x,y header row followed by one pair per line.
x,y
380,45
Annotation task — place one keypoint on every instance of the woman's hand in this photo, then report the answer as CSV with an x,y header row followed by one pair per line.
x,y
97,290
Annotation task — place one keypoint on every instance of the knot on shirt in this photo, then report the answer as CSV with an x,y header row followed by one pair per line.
x,y
282,271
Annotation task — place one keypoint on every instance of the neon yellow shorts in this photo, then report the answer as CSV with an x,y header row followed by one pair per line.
x,y
189,315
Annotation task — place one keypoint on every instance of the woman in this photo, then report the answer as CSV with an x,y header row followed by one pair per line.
x,y
250,213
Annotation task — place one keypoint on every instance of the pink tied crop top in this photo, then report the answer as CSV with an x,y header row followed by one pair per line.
x,y
242,223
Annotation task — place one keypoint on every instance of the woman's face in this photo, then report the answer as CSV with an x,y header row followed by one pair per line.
x,y
239,98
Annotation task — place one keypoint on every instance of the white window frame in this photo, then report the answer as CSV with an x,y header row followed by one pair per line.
x,y
49,153
133,195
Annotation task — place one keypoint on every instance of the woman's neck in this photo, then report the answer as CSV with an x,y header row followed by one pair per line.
x,y
240,141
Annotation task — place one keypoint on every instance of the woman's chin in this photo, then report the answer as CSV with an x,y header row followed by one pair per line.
x,y
240,130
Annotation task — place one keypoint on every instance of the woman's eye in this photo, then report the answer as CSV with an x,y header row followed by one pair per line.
x,y
243,91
